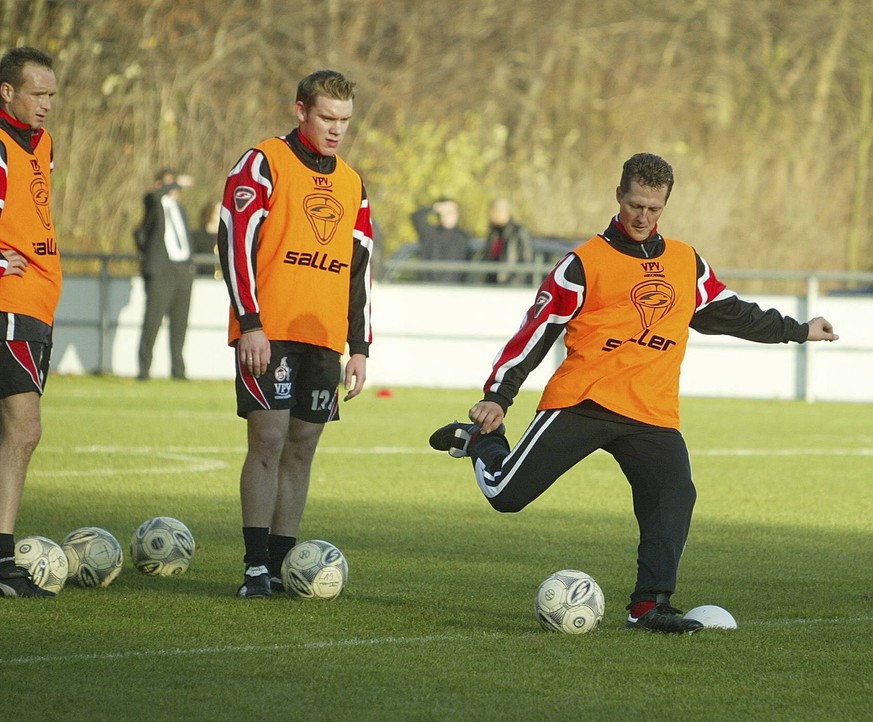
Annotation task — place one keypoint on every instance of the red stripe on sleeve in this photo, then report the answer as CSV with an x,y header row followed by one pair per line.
x,y
708,286
558,300
246,198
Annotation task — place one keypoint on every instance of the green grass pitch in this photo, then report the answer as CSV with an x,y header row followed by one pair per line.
x,y
437,621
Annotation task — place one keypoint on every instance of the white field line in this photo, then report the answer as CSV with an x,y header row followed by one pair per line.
x,y
164,414
190,459
380,450
247,648
801,621
181,461
781,452
344,643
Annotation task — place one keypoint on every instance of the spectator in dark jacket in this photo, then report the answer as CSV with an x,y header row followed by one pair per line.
x,y
204,239
441,239
508,241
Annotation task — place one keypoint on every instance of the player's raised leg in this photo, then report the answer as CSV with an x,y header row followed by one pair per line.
x,y
456,437
511,479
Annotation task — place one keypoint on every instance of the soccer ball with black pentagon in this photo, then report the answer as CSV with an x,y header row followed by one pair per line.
x,y
94,556
162,547
45,560
315,569
569,601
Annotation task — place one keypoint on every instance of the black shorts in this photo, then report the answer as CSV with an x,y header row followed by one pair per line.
x,y
300,377
24,367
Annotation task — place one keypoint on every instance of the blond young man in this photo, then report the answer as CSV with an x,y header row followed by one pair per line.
x,y
295,242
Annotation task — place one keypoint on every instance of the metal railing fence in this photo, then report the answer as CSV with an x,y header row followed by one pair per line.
x,y
809,286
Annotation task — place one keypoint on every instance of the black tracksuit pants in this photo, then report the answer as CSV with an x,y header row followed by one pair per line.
x,y
654,459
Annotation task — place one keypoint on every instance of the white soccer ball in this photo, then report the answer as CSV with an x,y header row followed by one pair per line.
x,y
315,569
45,560
709,615
94,556
569,601
162,547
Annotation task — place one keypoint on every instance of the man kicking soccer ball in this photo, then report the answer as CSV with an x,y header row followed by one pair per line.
x,y
626,299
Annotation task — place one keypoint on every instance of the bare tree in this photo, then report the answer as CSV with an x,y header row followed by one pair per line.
x,y
762,106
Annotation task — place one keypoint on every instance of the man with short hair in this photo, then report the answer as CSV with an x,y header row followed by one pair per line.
x,y
30,285
295,242
625,300
441,238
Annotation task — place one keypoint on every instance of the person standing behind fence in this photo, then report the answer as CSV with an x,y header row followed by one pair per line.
x,y
163,240
442,240
30,286
507,241
205,238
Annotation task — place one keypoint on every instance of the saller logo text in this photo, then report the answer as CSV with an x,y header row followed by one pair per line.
x,y
318,260
646,338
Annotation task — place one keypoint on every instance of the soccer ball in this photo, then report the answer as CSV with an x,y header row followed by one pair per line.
x,y
712,616
45,560
94,555
315,570
569,601
162,547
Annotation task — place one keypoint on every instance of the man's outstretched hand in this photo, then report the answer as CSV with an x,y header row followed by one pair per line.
x,y
820,329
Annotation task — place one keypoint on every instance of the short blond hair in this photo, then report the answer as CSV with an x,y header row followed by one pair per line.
x,y
329,83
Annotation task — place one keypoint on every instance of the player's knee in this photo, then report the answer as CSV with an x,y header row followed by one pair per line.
x,y
688,493
692,492
24,437
303,440
299,451
506,504
266,440
35,434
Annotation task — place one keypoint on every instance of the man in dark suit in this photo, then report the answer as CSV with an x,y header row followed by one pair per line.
x,y
164,242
